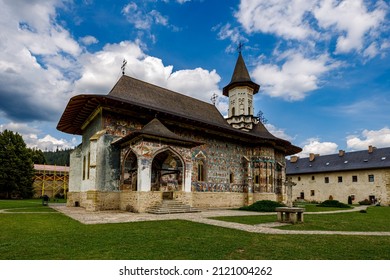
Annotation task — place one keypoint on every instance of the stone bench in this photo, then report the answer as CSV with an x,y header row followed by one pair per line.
x,y
290,214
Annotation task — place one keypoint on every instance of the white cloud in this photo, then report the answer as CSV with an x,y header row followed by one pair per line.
x,y
33,137
102,69
313,145
141,18
278,132
89,40
353,24
188,81
30,43
285,18
351,21
295,78
378,138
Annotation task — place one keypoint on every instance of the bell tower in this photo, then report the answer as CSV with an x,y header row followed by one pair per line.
x,y
240,91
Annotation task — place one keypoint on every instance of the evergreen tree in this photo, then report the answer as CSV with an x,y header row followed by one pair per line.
x,y
16,166
37,156
59,157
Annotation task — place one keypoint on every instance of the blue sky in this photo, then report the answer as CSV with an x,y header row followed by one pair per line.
x,y
323,65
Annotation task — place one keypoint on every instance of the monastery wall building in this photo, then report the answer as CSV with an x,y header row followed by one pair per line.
x,y
359,175
143,145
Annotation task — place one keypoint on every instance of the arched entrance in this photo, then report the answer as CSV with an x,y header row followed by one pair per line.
x,y
129,172
167,172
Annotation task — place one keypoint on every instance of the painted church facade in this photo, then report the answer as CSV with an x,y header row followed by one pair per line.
x,y
143,144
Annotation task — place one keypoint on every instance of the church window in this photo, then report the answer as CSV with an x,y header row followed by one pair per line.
x,y
257,181
231,178
89,164
233,111
200,171
84,166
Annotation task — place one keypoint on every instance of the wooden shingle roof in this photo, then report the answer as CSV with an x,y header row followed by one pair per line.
x,y
130,94
156,130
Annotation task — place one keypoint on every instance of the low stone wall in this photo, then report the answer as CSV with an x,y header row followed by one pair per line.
x,y
218,200
139,202
94,200
264,196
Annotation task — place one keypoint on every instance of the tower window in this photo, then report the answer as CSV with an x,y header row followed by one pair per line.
x,y
233,111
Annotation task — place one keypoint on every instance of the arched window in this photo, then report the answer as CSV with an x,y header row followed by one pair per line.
x,y
129,172
233,111
200,171
167,172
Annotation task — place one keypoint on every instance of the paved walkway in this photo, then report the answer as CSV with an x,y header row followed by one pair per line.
x,y
103,217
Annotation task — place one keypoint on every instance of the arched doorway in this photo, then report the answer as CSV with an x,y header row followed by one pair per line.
x,y
167,172
129,172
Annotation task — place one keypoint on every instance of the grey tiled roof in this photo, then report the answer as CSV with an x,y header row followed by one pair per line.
x,y
379,158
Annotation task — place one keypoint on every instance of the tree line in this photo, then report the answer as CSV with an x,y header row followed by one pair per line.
x,y
17,164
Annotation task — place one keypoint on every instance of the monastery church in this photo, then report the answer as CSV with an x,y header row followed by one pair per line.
x,y
143,146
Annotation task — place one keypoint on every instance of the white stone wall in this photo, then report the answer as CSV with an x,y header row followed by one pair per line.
x,y
361,189
75,170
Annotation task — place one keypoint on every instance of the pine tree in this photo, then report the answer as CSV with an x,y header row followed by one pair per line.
x,y
37,156
16,166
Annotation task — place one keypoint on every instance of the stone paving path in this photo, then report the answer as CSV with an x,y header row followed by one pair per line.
x,y
102,217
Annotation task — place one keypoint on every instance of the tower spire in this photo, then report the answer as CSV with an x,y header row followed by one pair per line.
x,y
240,91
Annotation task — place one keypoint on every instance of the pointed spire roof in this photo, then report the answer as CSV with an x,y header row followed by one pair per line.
x,y
240,77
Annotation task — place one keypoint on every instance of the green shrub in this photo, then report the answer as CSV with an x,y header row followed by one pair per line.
x,y
263,206
365,202
333,203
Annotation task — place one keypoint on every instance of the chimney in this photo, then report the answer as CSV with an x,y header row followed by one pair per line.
x,y
294,159
312,157
371,149
341,153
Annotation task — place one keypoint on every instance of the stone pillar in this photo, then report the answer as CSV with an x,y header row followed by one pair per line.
x,y
188,177
144,175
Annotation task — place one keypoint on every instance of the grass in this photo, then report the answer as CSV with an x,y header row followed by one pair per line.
x,y
54,236
376,219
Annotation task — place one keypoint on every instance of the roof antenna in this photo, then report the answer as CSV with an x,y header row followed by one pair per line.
x,y
214,98
123,67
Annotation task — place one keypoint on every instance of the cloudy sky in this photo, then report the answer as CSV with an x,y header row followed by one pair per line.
x,y
323,65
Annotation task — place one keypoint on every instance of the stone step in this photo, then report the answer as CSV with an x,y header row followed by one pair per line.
x,y
171,207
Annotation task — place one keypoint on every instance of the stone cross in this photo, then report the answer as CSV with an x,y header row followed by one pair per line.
x,y
289,184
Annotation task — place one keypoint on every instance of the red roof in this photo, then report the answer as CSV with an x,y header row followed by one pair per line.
x,y
57,168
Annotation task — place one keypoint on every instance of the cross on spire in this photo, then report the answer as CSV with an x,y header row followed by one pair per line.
x,y
240,47
214,98
123,67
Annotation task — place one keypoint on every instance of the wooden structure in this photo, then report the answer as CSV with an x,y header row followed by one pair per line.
x,y
51,180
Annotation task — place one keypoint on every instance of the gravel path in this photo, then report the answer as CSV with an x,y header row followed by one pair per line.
x,y
102,217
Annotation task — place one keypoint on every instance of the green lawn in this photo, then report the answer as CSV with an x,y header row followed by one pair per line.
x,y
53,235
